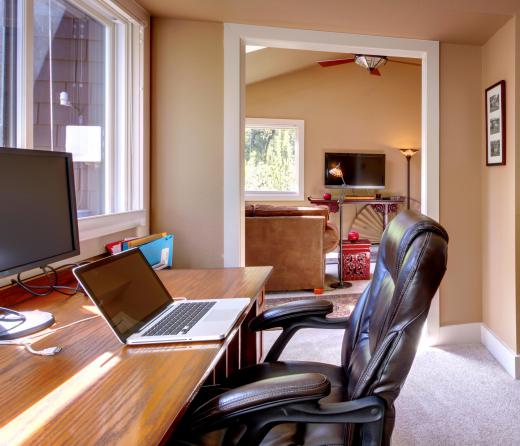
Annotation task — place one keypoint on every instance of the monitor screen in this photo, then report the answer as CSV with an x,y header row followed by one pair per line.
x,y
38,224
355,170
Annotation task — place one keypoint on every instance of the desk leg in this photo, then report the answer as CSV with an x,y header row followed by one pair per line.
x,y
251,342
385,216
340,283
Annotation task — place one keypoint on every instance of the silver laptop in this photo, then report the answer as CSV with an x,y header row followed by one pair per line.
x,y
139,309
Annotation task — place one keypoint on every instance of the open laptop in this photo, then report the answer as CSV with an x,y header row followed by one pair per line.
x,y
139,309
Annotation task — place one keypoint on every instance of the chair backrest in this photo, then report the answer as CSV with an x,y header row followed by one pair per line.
x,y
385,327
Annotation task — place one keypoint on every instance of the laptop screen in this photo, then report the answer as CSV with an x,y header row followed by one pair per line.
x,y
126,290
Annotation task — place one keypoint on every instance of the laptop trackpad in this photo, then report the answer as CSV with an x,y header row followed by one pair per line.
x,y
218,316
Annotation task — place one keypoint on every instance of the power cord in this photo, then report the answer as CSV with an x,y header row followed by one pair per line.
x,y
52,275
50,351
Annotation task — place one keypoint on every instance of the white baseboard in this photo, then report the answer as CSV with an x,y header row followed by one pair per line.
x,y
506,357
459,334
478,333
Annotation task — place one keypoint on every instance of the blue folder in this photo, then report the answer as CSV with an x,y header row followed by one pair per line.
x,y
159,253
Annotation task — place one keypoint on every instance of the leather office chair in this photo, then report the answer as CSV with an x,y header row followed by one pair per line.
x,y
306,403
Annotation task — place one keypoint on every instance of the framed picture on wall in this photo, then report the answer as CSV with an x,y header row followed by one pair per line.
x,y
496,124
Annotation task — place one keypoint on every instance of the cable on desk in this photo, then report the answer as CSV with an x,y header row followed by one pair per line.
x,y
52,275
50,351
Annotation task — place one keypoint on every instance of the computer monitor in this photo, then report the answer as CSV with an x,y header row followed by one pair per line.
x,y
38,225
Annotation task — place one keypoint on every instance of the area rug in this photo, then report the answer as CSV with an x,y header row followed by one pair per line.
x,y
343,303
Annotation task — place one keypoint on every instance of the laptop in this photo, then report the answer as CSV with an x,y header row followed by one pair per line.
x,y
139,309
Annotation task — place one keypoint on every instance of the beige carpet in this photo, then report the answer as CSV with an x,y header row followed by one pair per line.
x,y
456,395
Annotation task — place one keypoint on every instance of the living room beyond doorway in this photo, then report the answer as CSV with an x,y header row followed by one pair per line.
x,y
326,132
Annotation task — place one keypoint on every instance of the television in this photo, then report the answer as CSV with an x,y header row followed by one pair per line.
x,y
355,170
39,223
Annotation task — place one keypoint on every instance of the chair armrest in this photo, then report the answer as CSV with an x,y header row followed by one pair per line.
x,y
269,406
293,316
260,395
286,314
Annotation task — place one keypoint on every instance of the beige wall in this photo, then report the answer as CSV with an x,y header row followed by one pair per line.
x,y
186,139
346,109
477,202
498,198
461,156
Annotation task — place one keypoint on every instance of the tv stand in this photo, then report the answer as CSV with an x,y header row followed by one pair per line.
x,y
381,206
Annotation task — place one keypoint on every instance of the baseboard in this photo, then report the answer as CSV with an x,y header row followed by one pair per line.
x,y
506,357
459,334
478,333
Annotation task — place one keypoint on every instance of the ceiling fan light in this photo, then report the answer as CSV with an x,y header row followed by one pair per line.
x,y
370,62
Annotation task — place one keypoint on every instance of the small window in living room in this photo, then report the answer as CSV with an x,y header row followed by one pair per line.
x,y
273,159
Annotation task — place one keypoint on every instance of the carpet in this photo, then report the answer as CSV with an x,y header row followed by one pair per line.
x,y
454,395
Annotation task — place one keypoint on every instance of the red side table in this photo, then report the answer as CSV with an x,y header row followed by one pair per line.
x,y
356,259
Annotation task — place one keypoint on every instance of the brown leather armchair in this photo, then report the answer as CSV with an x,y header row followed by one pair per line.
x,y
306,403
293,240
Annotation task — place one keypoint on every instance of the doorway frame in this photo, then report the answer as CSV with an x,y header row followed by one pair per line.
x,y
236,36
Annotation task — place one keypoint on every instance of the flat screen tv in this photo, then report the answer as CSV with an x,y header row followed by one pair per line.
x,y
355,170
37,195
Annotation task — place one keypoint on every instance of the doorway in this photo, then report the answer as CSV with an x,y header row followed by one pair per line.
x,y
235,39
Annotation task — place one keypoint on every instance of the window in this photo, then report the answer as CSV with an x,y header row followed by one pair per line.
x,y
273,159
73,82
8,74
69,95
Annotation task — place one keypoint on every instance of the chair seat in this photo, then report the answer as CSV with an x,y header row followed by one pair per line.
x,y
288,434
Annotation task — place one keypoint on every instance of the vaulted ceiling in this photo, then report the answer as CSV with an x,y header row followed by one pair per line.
x,y
455,21
271,62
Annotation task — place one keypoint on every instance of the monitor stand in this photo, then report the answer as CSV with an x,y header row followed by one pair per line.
x,y
13,325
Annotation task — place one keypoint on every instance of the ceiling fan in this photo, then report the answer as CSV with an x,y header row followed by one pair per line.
x,y
368,62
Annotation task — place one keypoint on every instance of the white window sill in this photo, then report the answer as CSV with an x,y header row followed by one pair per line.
x,y
273,196
101,225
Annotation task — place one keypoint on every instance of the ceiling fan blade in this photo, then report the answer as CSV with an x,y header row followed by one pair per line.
x,y
331,63
405,63
375,72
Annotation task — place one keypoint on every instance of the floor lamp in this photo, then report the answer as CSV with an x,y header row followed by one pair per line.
x,y
338,173
408,153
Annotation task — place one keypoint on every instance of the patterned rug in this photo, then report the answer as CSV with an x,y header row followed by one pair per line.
x,y
343,303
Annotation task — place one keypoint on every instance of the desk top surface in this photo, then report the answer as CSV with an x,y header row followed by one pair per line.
x,y
98,391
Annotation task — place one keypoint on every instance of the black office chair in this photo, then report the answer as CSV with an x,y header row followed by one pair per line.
x,y
307,403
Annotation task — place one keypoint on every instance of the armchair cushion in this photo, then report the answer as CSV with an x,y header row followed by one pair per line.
x,y
286,314
331,237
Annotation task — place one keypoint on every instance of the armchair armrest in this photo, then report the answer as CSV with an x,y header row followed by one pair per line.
x,y
293,316
260,395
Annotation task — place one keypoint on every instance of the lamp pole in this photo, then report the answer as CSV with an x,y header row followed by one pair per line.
x,y
408,153
408,158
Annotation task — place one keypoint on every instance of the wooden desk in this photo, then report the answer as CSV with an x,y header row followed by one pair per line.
x,y
97,391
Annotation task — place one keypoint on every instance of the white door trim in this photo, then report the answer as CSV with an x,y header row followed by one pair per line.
x,y
237,36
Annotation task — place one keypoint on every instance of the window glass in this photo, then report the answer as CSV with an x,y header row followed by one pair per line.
x,y
272,159
69,106
8,73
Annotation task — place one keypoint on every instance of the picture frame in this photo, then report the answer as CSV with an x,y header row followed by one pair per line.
x,y
495,121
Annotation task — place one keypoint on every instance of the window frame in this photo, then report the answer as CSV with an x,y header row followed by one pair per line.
x,y
125,148
299,125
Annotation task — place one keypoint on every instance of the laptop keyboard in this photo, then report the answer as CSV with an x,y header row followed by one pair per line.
x,y
180,320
